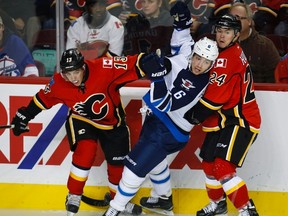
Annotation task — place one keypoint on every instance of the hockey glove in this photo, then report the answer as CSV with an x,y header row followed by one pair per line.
x,y
20,121
153,65
181,15
189,116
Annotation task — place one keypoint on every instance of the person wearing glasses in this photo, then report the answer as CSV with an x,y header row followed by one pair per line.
x,y
256,46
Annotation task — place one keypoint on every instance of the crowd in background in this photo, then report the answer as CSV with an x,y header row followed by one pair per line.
x,y
140,26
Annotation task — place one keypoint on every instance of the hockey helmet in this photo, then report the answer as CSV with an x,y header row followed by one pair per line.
x,y
71,59
229,21
206,48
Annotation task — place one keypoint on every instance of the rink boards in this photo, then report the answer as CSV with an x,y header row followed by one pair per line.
x,y
35,167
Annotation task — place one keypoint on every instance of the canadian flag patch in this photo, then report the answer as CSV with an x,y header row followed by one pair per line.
x,y
107,62
221,62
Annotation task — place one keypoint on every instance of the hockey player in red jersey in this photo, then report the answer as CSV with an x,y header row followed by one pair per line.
x,y
91,90
233,128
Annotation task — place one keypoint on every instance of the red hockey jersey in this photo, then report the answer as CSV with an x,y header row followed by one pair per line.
x,y
231,93
99,103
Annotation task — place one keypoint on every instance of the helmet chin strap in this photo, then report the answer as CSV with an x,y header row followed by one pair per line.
x,y
82,86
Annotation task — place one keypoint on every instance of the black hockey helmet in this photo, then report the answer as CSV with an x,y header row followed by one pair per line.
x,y
229,21
71,59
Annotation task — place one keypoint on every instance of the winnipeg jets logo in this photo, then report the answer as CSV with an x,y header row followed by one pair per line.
x,y
94,107
187,84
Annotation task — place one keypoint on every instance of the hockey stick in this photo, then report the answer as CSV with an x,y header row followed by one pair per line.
x,y
96,202
10,127
7,126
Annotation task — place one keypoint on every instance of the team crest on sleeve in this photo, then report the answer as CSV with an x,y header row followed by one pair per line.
x,y
187,84
221,62
47,88
107,62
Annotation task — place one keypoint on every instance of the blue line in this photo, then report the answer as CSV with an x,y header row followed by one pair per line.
x,y
45,139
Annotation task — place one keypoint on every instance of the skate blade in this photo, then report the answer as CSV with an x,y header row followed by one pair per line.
x,y
130,214
159,211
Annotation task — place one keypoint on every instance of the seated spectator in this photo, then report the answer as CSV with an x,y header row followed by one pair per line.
x,y
20,11
45,18
281,71
96,24
15,57
149,30
282,27
9,23
271,14
77,7
156,11
260,51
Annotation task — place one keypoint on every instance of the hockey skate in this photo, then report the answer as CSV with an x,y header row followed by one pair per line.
x,y
111,212
130,209
214,208
72,204
161,205
249,210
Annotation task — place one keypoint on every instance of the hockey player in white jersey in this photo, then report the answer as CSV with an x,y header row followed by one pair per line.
x,y
165,131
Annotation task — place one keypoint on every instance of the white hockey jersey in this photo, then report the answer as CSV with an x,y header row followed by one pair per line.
x,y
112,32
172,96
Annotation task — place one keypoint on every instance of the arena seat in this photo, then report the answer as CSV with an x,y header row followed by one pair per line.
x,y
281,43
281,71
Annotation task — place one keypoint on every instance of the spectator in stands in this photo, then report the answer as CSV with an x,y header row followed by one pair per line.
x,y
260,51
155,11
150,29
20,11
9,23
271,17
281,70
45,18
15,57
282,17
94,25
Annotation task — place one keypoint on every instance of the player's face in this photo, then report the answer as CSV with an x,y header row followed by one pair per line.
x,y
75,76
200,64
224,36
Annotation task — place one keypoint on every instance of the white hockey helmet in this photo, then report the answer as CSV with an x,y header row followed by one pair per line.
x,y
206,48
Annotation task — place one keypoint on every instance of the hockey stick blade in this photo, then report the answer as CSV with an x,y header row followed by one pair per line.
x,y
7,126
96,202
